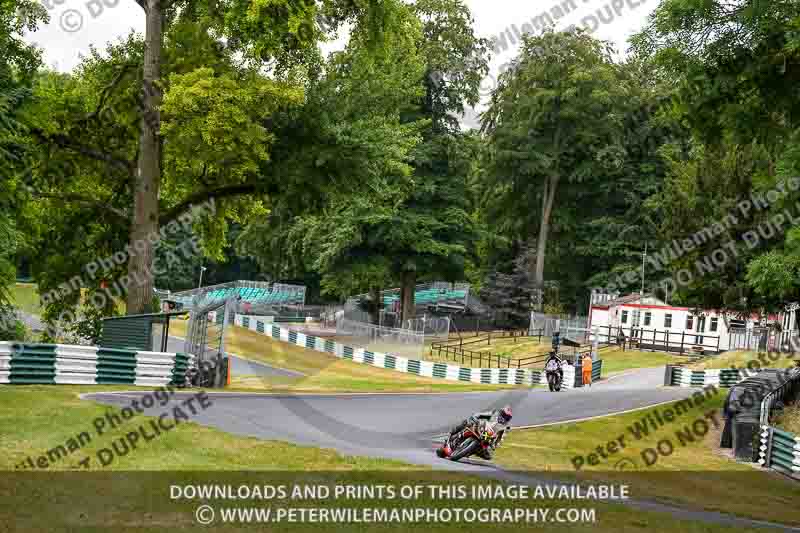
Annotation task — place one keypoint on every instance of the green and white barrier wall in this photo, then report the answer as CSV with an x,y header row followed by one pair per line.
x,y
679,376
489,376
780,450
61,364
597,370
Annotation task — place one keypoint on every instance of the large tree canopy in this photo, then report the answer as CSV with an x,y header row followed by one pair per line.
x,y
352,173
408,221
554,124
734,68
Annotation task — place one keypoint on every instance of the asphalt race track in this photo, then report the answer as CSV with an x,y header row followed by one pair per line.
x,y
406,426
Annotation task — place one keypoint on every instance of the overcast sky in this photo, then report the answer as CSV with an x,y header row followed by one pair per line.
x,y
75,25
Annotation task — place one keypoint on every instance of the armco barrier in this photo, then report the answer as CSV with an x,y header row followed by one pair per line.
x,y
678,376
488,376
47,364
597,370
780,450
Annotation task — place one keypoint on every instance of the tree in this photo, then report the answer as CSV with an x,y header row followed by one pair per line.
x,y
226,132
435,233
18,64
733,67
409,220
606,226
735,64
554,120
511,297
183,38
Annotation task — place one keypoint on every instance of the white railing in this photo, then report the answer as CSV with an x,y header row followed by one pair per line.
x,y
380,338
779,393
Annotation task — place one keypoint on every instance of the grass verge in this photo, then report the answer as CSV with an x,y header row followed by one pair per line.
x,y
789,419
27,429
616,360
696,473
741,359
25,296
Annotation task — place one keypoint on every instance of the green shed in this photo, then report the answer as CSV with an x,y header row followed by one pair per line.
x,y
148,332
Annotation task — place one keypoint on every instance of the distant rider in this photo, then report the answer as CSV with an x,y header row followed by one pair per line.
x,y
554,364
500,417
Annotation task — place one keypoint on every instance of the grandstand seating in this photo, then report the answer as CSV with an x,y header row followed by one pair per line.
x,y
276,295
430,296
254,296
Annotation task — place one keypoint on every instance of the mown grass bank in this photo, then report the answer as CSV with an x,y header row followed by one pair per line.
x,y
691,470
323,372
137,491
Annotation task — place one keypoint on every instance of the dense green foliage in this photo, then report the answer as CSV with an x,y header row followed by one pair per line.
x,y
350,173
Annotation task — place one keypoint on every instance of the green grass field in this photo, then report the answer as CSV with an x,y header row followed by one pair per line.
x,y
740,359
26,297
27,428
697,468
191,454
615,360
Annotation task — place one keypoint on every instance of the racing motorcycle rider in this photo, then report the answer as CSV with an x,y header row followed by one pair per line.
x,y
500,417
554,364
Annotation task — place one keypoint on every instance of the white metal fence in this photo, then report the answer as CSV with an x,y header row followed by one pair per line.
x,y
437,327
762,339
568,326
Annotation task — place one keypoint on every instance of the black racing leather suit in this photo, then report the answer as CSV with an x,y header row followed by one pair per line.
x,y
493,416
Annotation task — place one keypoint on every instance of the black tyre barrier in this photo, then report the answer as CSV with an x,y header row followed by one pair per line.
x,y
742,412
209,374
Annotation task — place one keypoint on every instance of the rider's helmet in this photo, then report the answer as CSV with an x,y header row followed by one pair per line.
x,y
505,415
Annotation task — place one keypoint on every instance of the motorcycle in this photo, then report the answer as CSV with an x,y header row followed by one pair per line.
x,y
469,441
554,380
555,377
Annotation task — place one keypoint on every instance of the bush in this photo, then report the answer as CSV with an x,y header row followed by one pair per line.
x,y
11,329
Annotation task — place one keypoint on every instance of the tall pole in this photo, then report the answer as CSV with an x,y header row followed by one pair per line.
x,y
644,255
202,269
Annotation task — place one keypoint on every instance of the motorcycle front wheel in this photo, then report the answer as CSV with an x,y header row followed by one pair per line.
x,y
466,448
